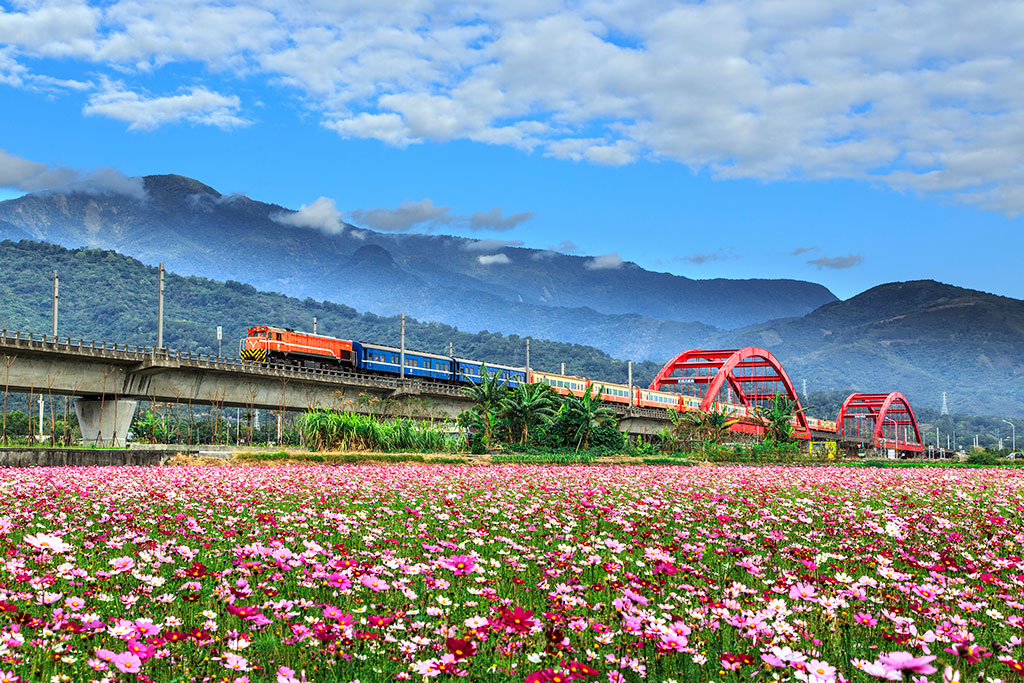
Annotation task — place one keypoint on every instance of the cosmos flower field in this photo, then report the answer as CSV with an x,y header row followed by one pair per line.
x,y
382,573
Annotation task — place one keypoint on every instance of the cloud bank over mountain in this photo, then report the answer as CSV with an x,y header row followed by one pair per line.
x,y
921,97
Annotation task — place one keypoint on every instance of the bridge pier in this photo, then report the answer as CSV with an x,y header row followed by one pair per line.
x,y
105,422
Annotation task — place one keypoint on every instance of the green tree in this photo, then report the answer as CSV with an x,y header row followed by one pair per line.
x,y
525,406
777,418
487,395
707,427
588,413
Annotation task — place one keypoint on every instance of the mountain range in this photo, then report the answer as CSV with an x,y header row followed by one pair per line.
x,y
922,337
471,284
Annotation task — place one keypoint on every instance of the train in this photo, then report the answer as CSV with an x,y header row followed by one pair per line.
x,y
282,345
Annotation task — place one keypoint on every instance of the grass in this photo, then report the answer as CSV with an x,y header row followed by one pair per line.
x,y
327,430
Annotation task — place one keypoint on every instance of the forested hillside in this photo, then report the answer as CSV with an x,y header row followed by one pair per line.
x,y
104,295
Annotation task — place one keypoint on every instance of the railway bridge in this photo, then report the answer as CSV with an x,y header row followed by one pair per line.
x,y
109,379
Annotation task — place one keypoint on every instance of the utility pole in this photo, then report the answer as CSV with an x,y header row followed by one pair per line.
x,y
56,283
945,407
805,389
160,309
314,324
40,418
563,368
451,351
1014,437
220,334
630,371
527,359
401,355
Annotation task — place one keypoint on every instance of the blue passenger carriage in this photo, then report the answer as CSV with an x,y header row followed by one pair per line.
x,y
386,359
469,370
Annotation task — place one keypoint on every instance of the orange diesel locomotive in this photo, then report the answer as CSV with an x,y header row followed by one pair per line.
x,y
285,345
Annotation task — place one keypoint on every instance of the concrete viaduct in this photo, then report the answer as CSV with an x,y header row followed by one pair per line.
x,y
110,379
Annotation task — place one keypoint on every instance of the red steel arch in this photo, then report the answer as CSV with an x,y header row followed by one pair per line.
x,y
883,411
747,371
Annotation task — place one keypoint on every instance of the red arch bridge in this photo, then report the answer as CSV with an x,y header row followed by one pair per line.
x,y
742,380
886,419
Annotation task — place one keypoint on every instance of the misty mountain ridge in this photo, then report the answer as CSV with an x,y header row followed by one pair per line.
x,y
468,283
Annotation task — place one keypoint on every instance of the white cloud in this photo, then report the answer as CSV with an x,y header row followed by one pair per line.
x,y
405,216
489,245
197,105
701,259
31,176
52,29
425,213
837,262
493,259
494,220
604,262
924,96
321,215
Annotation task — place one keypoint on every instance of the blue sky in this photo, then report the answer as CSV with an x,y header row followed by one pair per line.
x,y
850,145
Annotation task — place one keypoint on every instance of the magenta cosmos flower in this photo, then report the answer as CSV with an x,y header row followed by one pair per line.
x,y
904,661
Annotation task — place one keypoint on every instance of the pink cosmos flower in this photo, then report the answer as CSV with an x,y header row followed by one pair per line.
x,y
332,612
9,676
672,644
143,651
339,580
119,565
235,662
374,583
803,591
460,564
865,619
46,542
821,670
127,663
904,661
146,627
877,669
427,668
286,675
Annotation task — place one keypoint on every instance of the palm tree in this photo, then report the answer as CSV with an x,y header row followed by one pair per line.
x,y
777,418
708,427
487,395
526,405
590,413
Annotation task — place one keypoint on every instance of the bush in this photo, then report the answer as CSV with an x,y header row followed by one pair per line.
x,y
984,458
668,461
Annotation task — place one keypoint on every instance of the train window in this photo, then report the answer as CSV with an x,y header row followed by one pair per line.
x,y
278,336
